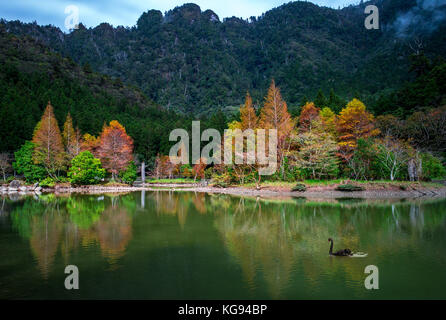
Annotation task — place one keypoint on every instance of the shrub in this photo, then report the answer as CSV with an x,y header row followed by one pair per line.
x,y
186,171
221,181
208,173
432,167
85,169
130,174
25,165
300,187
349,188
48,182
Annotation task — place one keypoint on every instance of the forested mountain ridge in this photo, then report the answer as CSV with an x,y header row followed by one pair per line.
x,y
189,60
31,75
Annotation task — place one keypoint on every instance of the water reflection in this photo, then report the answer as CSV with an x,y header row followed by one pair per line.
x,y
279,245
65,222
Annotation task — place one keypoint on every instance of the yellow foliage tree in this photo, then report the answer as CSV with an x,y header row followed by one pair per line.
x,y
328,118
71,138
354,122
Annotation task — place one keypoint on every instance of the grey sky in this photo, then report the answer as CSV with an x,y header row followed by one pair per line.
x,y
126,12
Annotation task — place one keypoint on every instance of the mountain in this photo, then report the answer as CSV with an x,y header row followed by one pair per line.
x,y
190,61
31,74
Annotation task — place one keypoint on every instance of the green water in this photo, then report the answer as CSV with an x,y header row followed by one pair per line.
x,y
167,245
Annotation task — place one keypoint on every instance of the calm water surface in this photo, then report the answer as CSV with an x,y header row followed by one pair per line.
x,y
166,245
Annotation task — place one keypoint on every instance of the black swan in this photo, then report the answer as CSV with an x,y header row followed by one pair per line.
x,y
340,253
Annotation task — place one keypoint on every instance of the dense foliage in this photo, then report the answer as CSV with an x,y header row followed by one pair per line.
x,y
189,60
30,76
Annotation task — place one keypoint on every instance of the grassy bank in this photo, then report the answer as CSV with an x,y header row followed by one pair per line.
x,y
330,184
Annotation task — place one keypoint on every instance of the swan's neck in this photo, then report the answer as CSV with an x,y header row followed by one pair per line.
x,y
331,247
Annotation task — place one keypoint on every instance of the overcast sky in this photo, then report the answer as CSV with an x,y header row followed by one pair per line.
x,y
126,12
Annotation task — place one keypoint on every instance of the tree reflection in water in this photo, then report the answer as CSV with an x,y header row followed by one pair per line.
x,y
279,244
67,222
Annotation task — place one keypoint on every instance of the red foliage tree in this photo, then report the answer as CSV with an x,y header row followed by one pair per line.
x,y
115,149
198,169
308,114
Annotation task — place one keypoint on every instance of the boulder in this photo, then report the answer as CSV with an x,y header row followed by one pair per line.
x,y
15,184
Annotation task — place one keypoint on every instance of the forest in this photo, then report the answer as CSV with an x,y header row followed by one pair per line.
x,y
191,61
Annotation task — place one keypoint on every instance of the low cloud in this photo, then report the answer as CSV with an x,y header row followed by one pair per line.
x,y
424,18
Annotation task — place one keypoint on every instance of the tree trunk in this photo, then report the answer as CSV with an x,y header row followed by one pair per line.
x,y
143,172
258,182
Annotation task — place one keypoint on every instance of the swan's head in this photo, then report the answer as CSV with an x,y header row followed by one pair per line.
x,y
330,239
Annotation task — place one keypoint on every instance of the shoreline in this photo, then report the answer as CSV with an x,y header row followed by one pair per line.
x,y
324,192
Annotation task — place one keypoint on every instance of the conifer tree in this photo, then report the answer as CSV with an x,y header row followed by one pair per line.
x,y
48,145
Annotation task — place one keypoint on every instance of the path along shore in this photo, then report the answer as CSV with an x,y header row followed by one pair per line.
x,y
382,191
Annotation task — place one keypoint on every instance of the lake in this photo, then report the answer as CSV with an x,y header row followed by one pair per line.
x,y
185,245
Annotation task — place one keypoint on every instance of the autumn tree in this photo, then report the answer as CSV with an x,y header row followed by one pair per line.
x,y
307,116
328,118
48,145
389,125
71,138
164,167
316,153
248,115
90,143
274,115
354,122
198,169
115,149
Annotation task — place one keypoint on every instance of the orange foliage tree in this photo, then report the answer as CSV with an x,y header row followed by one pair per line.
x,y
198,169
248,115
164,167
274,115
115,149
308,115
47,140
354,122
90,143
